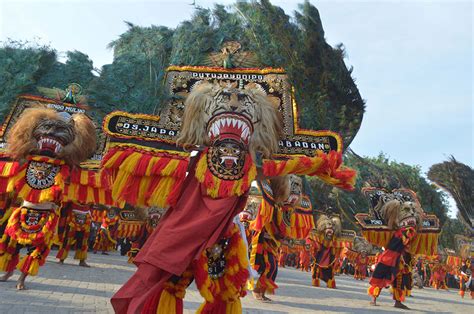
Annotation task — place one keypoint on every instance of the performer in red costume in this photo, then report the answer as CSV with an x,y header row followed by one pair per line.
x,y
284,214
75,232
361,254
438,272
326,249
236,128
53,145
398,219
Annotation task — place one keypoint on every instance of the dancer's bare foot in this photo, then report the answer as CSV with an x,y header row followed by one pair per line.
x,y
373,302
83,263
20,285
61,261
257,295
266,299
400,305
6,276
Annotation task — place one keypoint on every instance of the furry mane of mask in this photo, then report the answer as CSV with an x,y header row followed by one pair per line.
x,y
329,226
41,131
287,190
397,209
464,246
465,251
361,245
235,119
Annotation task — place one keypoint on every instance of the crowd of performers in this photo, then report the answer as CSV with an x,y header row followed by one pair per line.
x,y
208,233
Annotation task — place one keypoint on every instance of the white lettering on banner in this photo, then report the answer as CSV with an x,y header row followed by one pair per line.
x,y
227,76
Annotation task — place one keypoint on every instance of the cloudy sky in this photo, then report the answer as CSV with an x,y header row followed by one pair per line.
x,y
412,60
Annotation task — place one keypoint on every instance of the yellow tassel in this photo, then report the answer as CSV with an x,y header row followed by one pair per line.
x,y
161,192
234,307
144,184
22,262
4,260
213,191
6,215
84,179
201,168
130,163
80,255
111,161
170,168
6,169
167,304
251,284
33,270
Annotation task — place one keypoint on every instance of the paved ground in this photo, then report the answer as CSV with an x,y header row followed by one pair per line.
x,y
72,289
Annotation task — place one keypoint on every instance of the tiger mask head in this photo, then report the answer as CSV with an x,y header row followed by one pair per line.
x,y
329,227
398,214
236,120
287,190
41,131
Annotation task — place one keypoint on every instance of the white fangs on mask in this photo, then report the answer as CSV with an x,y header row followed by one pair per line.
x,y
409,221
46,141
234,122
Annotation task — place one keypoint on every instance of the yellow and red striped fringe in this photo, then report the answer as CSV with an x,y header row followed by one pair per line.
x,y
143,177
423,243
17,224
455,261
8,170
300,225
128,229
327,167
264,216
88,187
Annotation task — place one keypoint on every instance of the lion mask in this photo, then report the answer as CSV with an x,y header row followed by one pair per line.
x,y
330,227
397,214
287,190
235,120
46,132
362,246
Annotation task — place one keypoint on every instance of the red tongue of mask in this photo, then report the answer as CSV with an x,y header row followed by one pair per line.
x,y
47,147
229,163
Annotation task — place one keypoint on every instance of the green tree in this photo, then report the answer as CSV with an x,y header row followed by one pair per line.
x,y
22,64
123,86
77,69
25,66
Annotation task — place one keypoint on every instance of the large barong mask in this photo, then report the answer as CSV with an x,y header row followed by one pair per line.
x,y
329,226
232,120
286,190
362,246
46,132
397,209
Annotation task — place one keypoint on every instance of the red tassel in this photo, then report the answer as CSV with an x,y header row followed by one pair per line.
x,y
26,266
142,165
